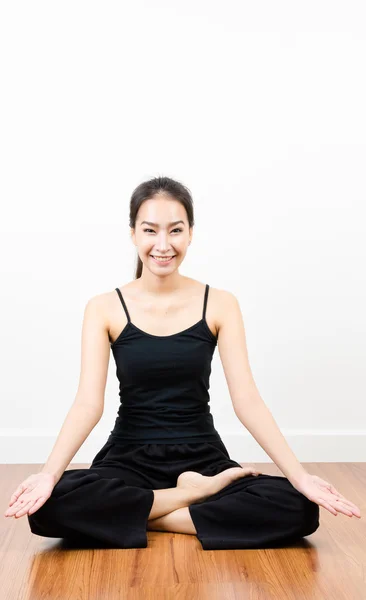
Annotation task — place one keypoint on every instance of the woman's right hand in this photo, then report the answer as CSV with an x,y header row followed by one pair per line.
x,y
30,495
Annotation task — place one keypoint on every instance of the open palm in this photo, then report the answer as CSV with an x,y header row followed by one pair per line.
x,y
325,494
30,495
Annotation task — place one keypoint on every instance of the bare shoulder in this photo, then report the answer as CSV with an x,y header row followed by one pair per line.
x,y
224,303
103,304
219,303
226,298
108,299
221,295
108,305
99,301
98,307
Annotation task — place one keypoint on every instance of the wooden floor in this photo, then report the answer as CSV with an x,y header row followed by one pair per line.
x,y
329,564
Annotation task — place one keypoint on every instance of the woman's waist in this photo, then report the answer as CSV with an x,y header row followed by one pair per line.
x,y
160,438
151,427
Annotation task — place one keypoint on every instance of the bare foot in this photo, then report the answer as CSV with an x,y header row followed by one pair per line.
x,y
206,486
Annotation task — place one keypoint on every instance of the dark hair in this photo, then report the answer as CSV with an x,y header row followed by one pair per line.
x,y
147,190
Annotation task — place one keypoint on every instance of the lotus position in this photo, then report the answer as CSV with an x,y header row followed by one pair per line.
x,y
164,465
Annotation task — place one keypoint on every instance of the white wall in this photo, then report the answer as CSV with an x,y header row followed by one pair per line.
x,y
259,108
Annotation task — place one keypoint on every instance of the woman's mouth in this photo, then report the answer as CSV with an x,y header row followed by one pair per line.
x,y
162,261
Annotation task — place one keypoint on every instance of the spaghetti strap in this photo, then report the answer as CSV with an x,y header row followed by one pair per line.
x,y
123,304
205,302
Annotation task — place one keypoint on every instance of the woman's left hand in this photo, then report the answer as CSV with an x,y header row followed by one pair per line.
x,y
323,493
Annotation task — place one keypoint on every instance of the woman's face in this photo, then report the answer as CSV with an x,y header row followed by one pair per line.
x,y
166,233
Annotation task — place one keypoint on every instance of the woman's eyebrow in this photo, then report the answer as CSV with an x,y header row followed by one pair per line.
x,y
156,224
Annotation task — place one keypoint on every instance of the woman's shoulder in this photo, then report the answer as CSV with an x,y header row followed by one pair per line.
x,y
219,301
191,285
218,298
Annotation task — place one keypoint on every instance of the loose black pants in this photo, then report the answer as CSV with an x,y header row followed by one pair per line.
x,y
108,504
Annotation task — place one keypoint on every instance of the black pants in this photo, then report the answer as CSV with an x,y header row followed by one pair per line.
x,y
108,504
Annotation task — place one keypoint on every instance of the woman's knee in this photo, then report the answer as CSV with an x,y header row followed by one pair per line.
x,y
41,522
47,521
305,513
310,517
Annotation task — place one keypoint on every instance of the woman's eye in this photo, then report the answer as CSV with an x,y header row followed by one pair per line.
x,y
177,229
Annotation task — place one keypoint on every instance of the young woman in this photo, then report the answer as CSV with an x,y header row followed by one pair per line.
x,y
164,466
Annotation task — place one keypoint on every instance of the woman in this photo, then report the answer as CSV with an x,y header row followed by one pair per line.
x,y
164,466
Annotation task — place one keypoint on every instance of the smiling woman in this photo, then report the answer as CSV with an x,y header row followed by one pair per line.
x,y
164,452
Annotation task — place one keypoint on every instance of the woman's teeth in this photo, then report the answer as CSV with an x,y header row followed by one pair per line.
x,y
162,259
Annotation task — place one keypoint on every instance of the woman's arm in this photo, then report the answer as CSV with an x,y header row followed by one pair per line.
x,y
88,406
79,423
247,402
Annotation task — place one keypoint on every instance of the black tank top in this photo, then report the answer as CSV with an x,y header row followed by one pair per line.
x,y
164,383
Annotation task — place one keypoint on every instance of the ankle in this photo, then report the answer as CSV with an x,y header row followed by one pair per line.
x,y
190,496
169,499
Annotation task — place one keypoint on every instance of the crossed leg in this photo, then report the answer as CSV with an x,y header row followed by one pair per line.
x,y
178,521
246,515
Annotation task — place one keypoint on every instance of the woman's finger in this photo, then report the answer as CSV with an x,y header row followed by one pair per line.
x,y
335,492
15,507
353,509
37,505
23,509
16,494
351,505
325,504
339,506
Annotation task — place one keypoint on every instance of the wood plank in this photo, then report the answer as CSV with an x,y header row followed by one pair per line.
x,y
329,564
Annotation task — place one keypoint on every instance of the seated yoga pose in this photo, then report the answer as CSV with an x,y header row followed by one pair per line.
x,y
164,466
